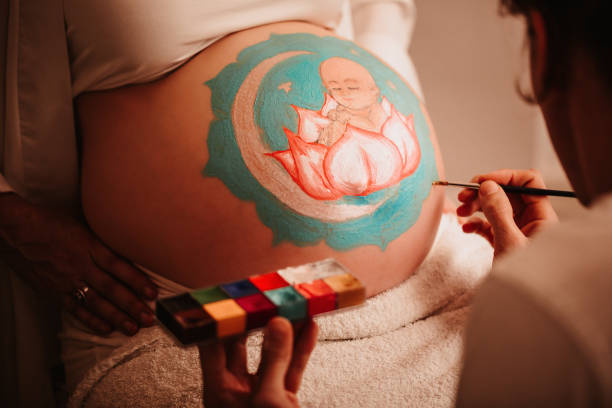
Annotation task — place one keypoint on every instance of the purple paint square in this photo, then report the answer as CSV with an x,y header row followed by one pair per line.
x,y
259,310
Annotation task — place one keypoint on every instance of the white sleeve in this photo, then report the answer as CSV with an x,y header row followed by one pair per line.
x,y
385,27
5,187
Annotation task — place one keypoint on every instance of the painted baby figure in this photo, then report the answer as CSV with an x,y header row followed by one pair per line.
x,y
356,93
355,145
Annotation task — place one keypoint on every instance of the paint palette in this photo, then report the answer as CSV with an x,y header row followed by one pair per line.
x,y
234,308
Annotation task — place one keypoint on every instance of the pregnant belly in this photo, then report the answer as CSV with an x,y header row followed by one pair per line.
x,y
276,146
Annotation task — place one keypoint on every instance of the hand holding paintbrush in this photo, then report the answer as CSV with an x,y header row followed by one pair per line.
x,y
510,219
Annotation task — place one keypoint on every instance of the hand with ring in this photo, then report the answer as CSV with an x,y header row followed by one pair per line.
x,y
102,290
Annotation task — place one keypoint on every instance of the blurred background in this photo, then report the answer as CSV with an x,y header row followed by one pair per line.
x,y
468,58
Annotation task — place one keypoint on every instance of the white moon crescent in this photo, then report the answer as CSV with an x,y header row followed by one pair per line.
x,y
268,172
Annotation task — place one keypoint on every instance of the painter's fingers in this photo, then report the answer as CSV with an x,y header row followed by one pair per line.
x,y
275,356
477,225
236,356
304,344
467,194
498,210
513,177
470,204
516,177
213,363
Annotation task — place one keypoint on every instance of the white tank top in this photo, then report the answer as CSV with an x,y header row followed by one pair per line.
x,y
119,42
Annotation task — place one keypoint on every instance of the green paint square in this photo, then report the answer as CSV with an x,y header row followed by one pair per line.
x,y
289,302
208,295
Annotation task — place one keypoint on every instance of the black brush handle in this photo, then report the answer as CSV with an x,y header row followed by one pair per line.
x,y
537,191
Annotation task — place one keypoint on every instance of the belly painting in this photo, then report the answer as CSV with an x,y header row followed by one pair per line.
x,y
327,141
276,146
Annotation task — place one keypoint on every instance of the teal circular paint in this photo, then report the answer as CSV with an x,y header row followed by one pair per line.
x,y
400,204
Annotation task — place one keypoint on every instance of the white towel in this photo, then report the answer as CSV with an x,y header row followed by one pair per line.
x,y
401,349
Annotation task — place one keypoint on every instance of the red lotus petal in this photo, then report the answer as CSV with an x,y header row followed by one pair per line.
x,y
359,163
285,157
308,162
400,130
310,124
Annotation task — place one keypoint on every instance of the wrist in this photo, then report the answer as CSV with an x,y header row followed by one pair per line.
x,y
16,214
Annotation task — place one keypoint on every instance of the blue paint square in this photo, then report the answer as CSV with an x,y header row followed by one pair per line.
x,y
239,288
289,302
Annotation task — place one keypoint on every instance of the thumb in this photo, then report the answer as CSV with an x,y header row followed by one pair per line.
x,y
497,208
275,355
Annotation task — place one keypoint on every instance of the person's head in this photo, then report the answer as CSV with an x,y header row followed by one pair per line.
x,y
567,26
570,45
349,83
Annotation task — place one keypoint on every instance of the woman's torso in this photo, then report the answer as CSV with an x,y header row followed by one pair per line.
x,y
180,176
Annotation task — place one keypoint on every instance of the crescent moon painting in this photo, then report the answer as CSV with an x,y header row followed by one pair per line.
x,y
328,142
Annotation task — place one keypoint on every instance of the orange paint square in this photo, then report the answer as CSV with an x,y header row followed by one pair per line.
x,y
230,317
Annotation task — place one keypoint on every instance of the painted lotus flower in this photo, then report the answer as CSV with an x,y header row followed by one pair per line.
x,y
360,162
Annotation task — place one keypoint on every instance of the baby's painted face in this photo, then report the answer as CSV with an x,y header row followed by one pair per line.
x,y
349,83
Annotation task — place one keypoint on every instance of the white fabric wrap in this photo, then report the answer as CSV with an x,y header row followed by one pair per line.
x,y
39,158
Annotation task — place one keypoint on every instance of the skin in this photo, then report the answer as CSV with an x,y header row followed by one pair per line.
x,y
579,124
279,375
352,86
154,206
62,254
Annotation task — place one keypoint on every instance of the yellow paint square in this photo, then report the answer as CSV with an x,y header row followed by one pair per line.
x,y
230,317
349,290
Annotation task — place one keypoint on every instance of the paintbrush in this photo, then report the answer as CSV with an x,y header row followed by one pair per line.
x,y
512,189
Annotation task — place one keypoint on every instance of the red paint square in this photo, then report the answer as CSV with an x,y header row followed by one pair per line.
x,y
320,296
268,281
259,310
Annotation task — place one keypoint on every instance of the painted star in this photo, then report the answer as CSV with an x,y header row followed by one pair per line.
x,y
286,86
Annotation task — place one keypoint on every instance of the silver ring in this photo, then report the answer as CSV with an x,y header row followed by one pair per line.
x,y
80,295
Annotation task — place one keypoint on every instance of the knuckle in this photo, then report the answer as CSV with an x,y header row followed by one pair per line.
x,y
133,306
116,317
114,288
100,256
109,262
535,173
107,286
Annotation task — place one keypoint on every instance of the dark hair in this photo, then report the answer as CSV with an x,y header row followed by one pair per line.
x,y
570,25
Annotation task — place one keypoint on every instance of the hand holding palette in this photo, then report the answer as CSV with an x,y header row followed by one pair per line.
x,y
234,308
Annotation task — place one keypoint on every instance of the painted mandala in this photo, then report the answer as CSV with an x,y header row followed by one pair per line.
x,y
327,141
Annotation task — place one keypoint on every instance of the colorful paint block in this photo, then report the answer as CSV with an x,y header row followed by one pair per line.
x,y
233,308
268,281
230,317
349,291
289,302
259,310
320,296
208,295
239,288
185,318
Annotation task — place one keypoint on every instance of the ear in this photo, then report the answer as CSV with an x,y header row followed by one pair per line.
x,y
538,50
